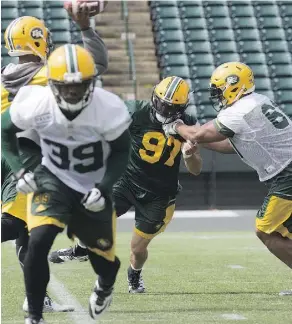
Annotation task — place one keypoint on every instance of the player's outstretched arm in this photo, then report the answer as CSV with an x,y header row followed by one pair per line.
x,y
116,162
9,142
91,40
192,158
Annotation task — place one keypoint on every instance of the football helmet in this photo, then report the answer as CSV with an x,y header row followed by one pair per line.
x,y
170,99
28,35
71,76
229,82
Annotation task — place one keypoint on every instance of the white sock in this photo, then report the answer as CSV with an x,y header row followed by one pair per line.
x,y
81,245
136,269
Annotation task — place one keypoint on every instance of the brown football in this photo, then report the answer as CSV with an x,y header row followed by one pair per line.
x,y
95,7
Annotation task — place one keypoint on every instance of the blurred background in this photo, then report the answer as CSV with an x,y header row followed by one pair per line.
x,y
149,40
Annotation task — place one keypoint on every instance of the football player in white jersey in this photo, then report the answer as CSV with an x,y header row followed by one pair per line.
x,y
85,146
261,134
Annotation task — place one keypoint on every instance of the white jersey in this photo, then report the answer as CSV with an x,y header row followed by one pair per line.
x,y
74,151
262,134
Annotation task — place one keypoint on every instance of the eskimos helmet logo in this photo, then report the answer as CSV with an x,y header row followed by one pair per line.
x,y
232,79
36,33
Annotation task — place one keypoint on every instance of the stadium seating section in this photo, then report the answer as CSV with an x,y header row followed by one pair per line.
x,y
193,37
52,12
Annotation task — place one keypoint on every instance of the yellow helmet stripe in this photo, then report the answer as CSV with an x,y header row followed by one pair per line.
x,y
172,88
71,58
9,33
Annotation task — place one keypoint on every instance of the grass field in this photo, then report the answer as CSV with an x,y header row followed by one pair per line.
x,y
190,278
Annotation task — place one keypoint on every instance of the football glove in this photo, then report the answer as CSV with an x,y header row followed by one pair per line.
x,y
93,200
169,129
25,182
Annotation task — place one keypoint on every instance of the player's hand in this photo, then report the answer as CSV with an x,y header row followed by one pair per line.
x,y
25,182
93,200
82,17
188,149
169,129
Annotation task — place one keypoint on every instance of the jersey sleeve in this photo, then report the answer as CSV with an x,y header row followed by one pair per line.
x,y
22,108
135,105
190,117
118,121
229,122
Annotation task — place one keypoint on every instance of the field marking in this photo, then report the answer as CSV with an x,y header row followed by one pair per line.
x,y
193,214
235,266
233,317
80,315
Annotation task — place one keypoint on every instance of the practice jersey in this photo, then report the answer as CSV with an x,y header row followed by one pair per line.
x,y
260,133
155,159
74,151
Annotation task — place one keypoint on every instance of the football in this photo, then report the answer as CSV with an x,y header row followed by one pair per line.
x,y
95,7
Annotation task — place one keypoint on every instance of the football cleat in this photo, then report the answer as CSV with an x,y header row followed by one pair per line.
x,y
50,306
286,292
135,281
99,301
29,320
73,253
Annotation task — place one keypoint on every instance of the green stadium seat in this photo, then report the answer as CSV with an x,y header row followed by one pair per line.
x,y
169,35
259,70
181,71
201,59
171,48
221,35
269,22
247,34
219,22
279,58
285,9
262,84
57,24
275,46
287,108
173,60
9,13
287,22
206,111
61,37
245,10
201,84
5,60
199,23
268,93
55,13
30,4
272,34
167,24
250,47
283,96
53,4
164,12
189,3
266,10
202,97
224,47
31,11
198,47
191,12
282,83
195,35
4,24
202,71
166,3
226,57
281,70
288,33
244,23
9,4
253,58
215,10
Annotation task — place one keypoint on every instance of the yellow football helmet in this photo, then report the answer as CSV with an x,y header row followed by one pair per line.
x,y
28,35
170,99
71,75
229,82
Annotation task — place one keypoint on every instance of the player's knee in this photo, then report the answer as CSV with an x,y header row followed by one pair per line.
x,y
138,248
104,267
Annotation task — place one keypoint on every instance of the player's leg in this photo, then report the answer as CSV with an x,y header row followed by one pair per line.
x,y
79,251
151,218
98,231
50,212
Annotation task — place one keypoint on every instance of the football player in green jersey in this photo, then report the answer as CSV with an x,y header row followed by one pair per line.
x,y
150,183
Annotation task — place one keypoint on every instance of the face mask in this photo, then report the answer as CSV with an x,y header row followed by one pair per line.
x,y
160,118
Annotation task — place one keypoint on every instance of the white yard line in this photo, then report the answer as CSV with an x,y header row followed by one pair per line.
x,y
233,317
235,266
193,214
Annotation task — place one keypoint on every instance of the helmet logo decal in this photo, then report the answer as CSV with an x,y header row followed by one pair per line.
x,y
232,79
36,33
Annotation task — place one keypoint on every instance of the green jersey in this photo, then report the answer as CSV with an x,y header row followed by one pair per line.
x,y
154,161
